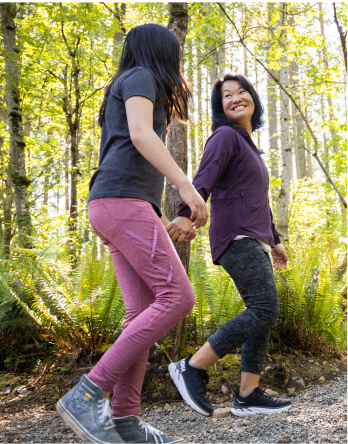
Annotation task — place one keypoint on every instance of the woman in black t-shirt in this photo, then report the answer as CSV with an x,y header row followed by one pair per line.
x,y
124,209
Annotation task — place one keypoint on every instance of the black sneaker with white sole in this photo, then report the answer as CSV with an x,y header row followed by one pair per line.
x,y
258,402
192,385
133,430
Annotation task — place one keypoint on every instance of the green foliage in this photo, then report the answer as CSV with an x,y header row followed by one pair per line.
x,y
311,292
217,299
313,307
77,309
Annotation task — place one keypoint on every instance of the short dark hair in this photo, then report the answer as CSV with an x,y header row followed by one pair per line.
x,y
155,48
219,117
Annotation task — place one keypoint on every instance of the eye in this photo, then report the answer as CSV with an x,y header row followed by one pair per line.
x,y
242,91
227,95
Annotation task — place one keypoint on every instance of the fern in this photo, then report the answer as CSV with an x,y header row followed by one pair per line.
x,y
217,299
311,313
78,308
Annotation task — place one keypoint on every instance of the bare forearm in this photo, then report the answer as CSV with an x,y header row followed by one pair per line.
x,y
152,148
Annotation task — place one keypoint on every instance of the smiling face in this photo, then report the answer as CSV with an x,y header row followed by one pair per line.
x,y
237,104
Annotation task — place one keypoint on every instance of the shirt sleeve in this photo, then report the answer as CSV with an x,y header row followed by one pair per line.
x,y
139,82
276,234
217,155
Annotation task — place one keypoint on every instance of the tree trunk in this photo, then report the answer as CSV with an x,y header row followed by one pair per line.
x,y
119,14
343,36
284,194
66,180
177,146
6,229
308,143
326,64
72,109
272,109
193,152
17,168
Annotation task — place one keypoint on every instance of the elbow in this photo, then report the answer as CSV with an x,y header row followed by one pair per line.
x,y
138,135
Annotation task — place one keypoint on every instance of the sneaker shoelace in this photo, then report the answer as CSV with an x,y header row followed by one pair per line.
x,y
203,379
261,392
154,432
104,411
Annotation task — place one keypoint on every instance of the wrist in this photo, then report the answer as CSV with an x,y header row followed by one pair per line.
x,y
183,183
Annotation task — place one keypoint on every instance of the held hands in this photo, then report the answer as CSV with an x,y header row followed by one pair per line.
x,y
181,230
280,258
199,211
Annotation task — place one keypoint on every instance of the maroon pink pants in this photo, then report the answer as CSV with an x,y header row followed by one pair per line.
x,y
155,288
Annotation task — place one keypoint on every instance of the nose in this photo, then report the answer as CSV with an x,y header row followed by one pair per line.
x,y
236,99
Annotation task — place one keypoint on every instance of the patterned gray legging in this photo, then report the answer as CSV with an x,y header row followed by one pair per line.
x,y
251,270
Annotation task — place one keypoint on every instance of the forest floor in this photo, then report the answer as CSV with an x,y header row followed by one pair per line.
x,y
284,373
315,384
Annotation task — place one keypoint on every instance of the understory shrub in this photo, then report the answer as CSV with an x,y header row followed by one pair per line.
x,y
311,292
74,306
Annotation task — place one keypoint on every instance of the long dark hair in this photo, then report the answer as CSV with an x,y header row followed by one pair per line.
x,y
155,48
218,115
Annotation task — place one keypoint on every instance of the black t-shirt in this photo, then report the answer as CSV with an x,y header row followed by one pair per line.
x,y
123,171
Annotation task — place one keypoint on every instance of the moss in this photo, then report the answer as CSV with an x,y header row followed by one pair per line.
x,y
9,378
226,369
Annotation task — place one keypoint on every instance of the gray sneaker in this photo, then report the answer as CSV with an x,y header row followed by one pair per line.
x,y
85,410
133,430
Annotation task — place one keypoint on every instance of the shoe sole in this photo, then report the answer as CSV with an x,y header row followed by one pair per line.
x,y
257,410
181,386
76,426
174,442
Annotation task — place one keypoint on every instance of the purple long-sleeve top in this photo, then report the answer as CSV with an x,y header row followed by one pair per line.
x,y
234,175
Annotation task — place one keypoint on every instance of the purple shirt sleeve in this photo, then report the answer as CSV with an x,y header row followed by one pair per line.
x,y
217,155
276,234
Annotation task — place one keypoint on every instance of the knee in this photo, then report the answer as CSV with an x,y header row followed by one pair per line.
x,y
271,312
185,299
188,300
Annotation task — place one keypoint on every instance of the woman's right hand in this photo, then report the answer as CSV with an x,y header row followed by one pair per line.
x,y
199,210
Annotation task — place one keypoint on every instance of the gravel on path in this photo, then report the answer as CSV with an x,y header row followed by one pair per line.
x,y
318,415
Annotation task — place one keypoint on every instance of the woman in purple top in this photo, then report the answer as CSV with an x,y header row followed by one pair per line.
x,y
242,234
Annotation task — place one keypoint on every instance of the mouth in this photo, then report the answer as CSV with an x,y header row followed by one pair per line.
x,y
236,108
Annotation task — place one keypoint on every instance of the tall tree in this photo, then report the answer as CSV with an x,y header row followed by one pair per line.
x,y
286,158
272,102
177,145
17,166
300,152
326,65
343,36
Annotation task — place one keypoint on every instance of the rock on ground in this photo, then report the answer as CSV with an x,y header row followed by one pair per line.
x,y
318,415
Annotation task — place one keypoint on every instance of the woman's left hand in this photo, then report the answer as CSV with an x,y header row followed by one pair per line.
x,y
280,258
181,230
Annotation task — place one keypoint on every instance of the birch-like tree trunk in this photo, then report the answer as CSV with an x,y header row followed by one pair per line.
x,y
300,152
326,64
17,167
284,194
177,145
272,100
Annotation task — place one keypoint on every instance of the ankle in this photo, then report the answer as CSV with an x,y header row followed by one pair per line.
x,y
192,364
106,395
245,391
